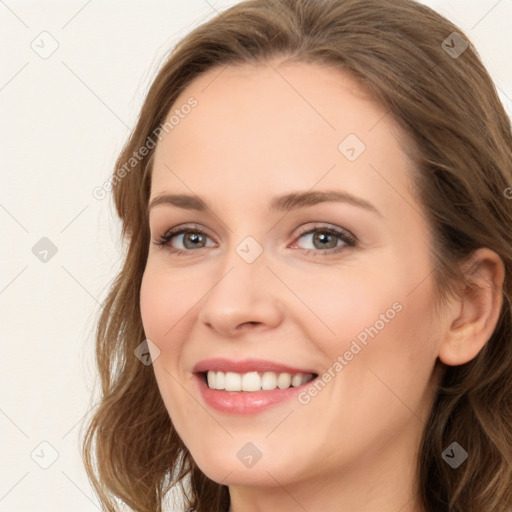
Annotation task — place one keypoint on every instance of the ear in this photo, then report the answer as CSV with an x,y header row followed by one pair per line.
x,y
473,317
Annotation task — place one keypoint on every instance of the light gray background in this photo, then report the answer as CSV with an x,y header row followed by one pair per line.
x,y
64,121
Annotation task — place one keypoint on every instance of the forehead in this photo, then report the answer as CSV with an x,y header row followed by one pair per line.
x,y
270,124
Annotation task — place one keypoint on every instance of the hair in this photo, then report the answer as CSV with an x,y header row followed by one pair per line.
x,y
461,145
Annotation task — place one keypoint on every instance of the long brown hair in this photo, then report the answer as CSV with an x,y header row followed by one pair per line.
x,y
407,57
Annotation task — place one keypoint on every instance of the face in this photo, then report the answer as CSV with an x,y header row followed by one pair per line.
x,y
338,287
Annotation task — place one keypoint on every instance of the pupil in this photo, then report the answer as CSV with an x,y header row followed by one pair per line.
x,y
323,237
194,236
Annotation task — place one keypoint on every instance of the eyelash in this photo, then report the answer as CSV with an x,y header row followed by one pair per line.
x,y
346,237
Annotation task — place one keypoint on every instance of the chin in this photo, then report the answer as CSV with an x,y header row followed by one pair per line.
x,y
224,467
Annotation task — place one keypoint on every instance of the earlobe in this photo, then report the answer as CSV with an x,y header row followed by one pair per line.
x,y
475,314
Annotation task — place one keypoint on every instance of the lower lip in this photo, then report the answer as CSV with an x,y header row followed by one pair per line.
x,y
244,402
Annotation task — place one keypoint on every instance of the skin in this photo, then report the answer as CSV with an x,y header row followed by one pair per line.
x,y
263,131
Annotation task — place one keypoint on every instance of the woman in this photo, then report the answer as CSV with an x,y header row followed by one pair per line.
x,y
316,205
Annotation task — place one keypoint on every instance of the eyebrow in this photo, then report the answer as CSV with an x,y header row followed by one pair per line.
x,y
285,203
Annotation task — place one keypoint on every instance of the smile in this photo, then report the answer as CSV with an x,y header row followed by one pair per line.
x,y
250,386
255,381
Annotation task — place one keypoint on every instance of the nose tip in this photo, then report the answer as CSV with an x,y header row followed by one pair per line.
x,y
241,301
227,328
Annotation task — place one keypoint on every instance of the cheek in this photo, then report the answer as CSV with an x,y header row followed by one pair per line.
x,y
346,303
163,304
164,301
378,325
151,302
393,369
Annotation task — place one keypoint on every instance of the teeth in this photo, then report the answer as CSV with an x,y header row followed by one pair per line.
x,y
250,381
296,380
284,380
233,381
255,381
269,381
220,380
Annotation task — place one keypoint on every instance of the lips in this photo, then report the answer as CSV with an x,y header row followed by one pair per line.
x,y
247,365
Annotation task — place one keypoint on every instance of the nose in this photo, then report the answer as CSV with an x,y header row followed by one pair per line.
x,y
243,297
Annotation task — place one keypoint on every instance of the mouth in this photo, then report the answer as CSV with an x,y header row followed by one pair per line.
x,y
249,386
251,392
254,381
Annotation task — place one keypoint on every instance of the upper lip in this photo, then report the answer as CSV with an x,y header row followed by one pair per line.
x,y
246,366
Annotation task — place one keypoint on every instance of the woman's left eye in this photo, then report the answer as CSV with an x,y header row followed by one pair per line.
x,y
325,240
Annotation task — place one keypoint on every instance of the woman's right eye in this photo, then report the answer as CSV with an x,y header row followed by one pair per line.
x,y
190,239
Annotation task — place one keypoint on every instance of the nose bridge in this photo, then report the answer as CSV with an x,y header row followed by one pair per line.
x,y
243,251
243,271
240,293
